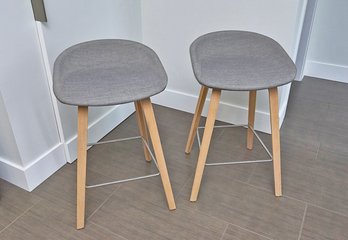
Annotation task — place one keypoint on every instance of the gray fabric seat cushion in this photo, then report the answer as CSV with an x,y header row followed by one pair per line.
x,y
107,72
238,60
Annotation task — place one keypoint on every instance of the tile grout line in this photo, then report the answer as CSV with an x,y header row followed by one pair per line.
x,y
250,175
316,156
257,187
303,220
102,204
295,199
331,211
107,230
183,187
223,233
245,229
228,224
21,215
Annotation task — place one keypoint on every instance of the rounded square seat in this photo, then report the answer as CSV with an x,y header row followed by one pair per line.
x,y
107,72
240,61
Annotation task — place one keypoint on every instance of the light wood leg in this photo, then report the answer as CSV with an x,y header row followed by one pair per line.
x,y
82,135
209,126
156,143
196,118
251,119
273,103
142,128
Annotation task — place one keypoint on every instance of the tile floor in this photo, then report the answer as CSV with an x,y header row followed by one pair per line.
x,y
235,202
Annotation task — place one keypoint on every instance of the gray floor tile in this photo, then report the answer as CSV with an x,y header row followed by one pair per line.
x,y
321,91
324,225
13,202
248,207
299,175
333,180
47,220
60,188
237,233
132,215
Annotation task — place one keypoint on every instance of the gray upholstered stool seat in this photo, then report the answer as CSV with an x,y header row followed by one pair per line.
x,y
107,72
110,72
238,60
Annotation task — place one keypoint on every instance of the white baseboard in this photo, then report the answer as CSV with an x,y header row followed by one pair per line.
x,y
102,126
227,112
29,177
32,175
327,71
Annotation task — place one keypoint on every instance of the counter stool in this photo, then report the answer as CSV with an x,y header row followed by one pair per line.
x,y
111,72
238,61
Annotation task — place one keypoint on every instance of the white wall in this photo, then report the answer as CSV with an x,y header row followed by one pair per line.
x,y
29,131
169,27
328,52
8,146
37,136
70,22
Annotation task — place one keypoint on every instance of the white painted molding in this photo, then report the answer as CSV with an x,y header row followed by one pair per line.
x,y
227,112
50,84
303,42
32,175
101,126
327,71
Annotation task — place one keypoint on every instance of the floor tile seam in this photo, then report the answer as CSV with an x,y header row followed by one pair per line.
x,y
305,98
245,229
250,231
184,185
317,154
21,215
328,210
254,186
314,205
250,175
112,178
223,233
303,221
102,204
296,199
271,191
107,230
207,214
227,222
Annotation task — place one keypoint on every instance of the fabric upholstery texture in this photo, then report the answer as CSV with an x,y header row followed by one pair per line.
x,y
240,61
107,72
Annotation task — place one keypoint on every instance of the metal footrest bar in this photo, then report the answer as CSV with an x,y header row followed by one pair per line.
x,y
237,162
114,140
128,179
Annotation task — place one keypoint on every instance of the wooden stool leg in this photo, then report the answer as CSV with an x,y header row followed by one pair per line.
x,y
82,135
209,126
273,103
196,118
156,143
142,128
251,119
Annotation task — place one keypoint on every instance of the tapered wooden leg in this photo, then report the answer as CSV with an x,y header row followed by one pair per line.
x,y
82,135
251,119
273,103
196,118
142,128
209,126
156,143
